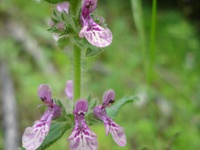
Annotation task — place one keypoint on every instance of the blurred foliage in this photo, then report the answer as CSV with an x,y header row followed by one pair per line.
x,y
167,116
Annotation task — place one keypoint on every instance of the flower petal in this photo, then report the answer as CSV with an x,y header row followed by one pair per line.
x,y
44,92
88,6
69,89
96,35
83,139
81,108
63,7
116,131
108,98
34,136
56,36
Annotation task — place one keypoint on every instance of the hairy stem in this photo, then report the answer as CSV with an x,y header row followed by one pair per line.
x,y
77,73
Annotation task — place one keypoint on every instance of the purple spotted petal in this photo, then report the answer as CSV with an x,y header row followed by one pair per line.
x,y
69,89
88,6
108,98
82,138
44,92
96,35
116,131
63,7
34,136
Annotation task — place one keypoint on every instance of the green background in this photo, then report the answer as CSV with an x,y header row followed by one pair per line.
x,y
167,115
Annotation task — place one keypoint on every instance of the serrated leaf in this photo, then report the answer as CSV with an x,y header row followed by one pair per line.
x,y
56,131
112,111
92,51
54,1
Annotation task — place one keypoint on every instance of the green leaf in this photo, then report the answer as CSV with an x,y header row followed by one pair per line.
x,y
55,20
92,51
112,111
89,98
63,17
56,131
54,1
93,103
55,13
53,29
91,119
64,41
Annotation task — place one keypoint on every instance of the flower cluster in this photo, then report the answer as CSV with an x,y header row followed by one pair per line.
x,y
93,32
81,138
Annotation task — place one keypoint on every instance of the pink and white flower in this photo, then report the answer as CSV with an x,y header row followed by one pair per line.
x,y
34,136
116,131
82,138
94,33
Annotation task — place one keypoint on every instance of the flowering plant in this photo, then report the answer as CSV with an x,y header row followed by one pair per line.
x,y
74,26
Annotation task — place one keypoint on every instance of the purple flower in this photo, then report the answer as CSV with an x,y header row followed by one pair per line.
x,y
34,136
69,89
116,131
82,138
63,7
94,33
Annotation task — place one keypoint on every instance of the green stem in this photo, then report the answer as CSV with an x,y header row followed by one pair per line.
x,y
152,43
152,64
77,73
